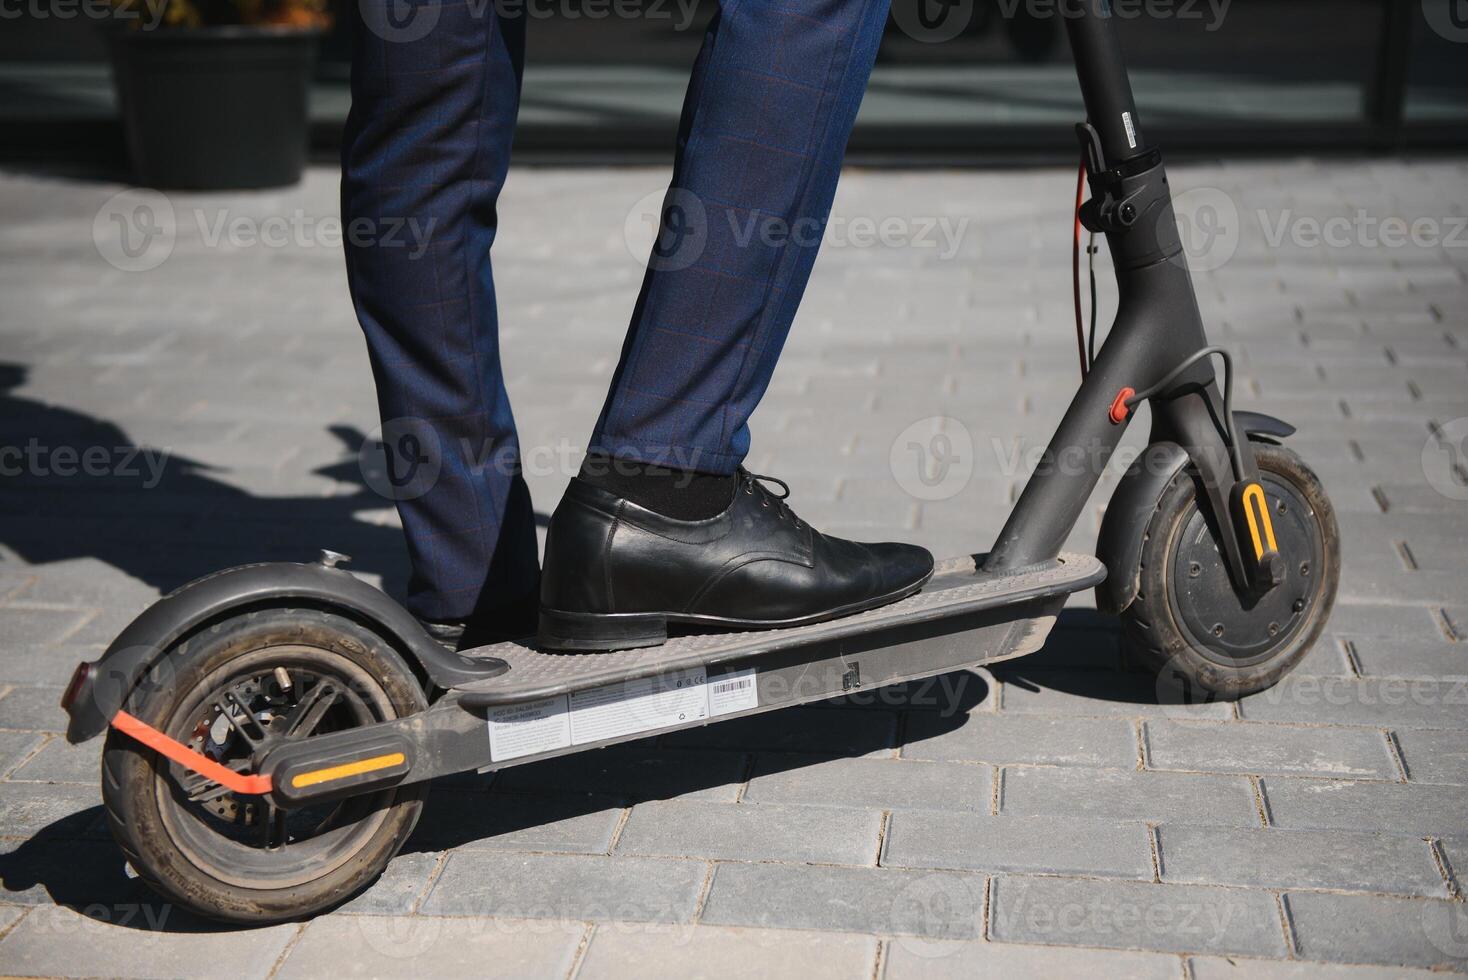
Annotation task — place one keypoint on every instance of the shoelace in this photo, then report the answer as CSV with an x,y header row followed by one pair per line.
x,y
752,480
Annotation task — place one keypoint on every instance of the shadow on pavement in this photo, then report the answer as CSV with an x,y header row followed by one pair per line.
x,y
76,486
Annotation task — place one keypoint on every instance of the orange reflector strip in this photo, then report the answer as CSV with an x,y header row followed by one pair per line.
x,y
203,765
318,776
1253,497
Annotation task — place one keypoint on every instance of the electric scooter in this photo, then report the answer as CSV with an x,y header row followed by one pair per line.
x,y
271,729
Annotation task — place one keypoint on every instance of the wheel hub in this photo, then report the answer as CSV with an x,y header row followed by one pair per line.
x,y
1239,628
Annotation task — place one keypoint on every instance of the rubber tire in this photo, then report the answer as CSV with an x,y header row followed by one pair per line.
x,y
129,769
1149,624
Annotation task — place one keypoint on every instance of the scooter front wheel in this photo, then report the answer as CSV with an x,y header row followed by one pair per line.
x,y
1207,640
232,692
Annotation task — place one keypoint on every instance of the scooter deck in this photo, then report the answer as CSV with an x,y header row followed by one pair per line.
x,y
957,588
548,704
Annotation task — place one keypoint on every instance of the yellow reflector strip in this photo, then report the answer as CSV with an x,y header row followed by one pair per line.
x,y
348,769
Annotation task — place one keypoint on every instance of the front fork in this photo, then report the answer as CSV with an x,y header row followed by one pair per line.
x,y
1158,327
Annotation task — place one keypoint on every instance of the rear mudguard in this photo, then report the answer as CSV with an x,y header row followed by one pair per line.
x,y
106,686
1119,545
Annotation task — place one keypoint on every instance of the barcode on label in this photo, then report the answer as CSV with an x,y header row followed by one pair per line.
x,y
735,691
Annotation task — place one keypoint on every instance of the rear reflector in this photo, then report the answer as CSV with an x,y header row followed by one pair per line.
x,y
78,677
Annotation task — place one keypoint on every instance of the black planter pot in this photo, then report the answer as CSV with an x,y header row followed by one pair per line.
x,y
214,108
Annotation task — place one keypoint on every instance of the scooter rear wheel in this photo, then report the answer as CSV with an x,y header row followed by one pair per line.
x,y
232,692
1205,639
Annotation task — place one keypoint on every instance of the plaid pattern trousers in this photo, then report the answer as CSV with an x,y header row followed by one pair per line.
x,y
770,105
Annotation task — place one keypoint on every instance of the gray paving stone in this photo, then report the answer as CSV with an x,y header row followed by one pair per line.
x,y
1457,618
828,731
16,747
402,885
1246,748
571,822
1064,845
1003,738
1435,757
1378,929
880,784
1455,852
418,946
1363,352
28,665
1219,968
718,953
1122,795
936,959
1420,702
1415,809
56,941
1094,693
1384,656
1406,623
1134,915
60,762
36,709
943,905
27,624
28,808
752,832
566,886
1276,858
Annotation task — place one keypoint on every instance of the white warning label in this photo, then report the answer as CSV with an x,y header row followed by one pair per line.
x,y
640,705
529,728
731,692
647,704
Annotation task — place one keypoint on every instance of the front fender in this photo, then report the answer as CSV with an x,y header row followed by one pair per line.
x,y
1119,545
102,690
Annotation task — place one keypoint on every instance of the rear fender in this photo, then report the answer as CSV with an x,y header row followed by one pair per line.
x,y
103,688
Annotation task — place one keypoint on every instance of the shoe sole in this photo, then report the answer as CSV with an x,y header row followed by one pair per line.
x,y
625,631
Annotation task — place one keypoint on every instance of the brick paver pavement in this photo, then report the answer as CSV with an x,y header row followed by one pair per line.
x,y
199,399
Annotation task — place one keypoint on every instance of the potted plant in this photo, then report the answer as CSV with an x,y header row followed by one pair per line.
x,y
212,93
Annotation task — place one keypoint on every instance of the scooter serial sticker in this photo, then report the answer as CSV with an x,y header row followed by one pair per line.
x,y
672,700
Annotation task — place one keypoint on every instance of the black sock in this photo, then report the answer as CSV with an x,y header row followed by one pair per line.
x,y
683,495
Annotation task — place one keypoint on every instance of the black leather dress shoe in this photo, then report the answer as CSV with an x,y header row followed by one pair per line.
x,y
617,574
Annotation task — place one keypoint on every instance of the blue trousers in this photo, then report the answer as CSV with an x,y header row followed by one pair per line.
x,y
770,105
